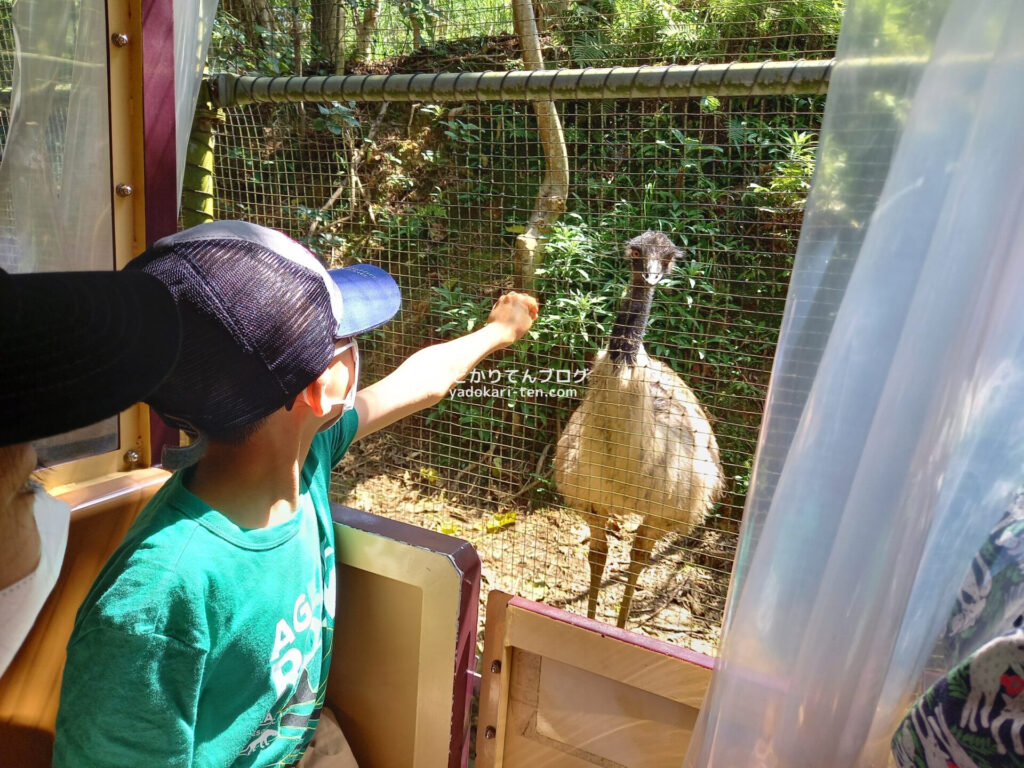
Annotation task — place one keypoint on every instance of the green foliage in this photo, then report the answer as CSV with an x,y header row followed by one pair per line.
x,y
262,37
448,204
248,45
790,180
335,118
444,189
599,33
420,16
716,316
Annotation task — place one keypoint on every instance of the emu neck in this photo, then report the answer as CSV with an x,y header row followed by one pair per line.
x,y
631,322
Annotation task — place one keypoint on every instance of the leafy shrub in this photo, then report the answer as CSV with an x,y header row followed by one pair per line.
x,y
715,317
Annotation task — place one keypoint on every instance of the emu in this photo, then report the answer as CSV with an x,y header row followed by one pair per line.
x,y
639,443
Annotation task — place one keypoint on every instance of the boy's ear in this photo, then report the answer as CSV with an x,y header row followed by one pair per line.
x,y
315,396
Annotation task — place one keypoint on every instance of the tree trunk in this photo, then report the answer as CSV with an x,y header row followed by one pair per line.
x,y
296,43
554,187
417,29
197,193
365,28
328,31
550,14
414,14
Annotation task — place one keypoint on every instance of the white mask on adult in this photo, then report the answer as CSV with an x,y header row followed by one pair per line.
x,y
21,602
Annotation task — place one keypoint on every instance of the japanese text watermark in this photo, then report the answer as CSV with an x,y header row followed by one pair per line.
x,y
508,383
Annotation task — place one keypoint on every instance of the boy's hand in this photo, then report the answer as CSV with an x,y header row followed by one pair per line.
x,y
514,314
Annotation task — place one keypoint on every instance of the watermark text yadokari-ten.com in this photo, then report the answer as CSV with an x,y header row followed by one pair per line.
x,y
513,382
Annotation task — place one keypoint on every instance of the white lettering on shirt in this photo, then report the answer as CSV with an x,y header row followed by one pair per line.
x,y
283,637
285,673
330,588
287,658
302,616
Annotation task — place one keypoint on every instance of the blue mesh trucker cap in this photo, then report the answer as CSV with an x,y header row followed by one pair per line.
x,y
260,315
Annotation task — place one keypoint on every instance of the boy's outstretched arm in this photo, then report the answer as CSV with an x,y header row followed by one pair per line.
x,y
428,375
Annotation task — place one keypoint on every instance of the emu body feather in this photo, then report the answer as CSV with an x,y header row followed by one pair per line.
x,y
639,443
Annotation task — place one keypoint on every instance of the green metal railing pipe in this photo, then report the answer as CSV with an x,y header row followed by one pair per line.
x,y
766,78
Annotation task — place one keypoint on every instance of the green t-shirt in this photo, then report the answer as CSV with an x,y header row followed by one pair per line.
x,y
202,643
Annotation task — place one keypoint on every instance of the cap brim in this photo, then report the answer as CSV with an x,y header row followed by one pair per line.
x,y
77,347
369,298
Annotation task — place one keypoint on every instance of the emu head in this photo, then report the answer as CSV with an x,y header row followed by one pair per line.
x,y
651,256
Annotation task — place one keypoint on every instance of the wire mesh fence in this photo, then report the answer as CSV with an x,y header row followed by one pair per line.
x,y
335,36
437,194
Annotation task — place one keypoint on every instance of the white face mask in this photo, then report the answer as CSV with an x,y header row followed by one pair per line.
x,y
20,602
350,398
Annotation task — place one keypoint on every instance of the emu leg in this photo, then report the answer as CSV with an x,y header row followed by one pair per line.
x,y
643,543
597,557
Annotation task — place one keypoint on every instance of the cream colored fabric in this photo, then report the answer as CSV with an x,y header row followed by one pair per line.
x,y
329,747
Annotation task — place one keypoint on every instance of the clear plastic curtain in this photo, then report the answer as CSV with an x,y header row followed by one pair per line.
x,y
893,438
55,173
193,28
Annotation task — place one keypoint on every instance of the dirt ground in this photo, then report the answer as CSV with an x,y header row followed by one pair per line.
x,y
541,553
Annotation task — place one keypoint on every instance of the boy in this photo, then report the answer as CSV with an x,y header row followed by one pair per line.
x,y
206,639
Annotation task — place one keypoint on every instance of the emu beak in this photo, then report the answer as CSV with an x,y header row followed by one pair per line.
x,y
654,271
